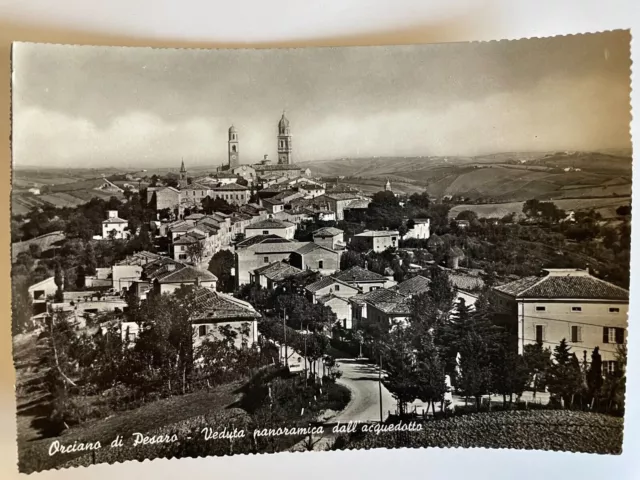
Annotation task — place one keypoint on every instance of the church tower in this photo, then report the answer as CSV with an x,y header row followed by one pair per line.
x,y
284,141
234,148
182,182
387,186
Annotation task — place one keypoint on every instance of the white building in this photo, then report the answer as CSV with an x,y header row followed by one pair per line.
x,y
421,229
114,224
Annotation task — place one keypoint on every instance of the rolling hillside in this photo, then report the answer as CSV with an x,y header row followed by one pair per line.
x,y
504,177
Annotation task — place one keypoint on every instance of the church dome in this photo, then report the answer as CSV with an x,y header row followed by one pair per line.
x,y
284,122
232,129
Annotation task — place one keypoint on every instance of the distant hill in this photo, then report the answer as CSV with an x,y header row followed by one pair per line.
x,y
503,176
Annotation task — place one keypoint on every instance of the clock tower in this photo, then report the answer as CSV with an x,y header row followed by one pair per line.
x,y
284,141
234,148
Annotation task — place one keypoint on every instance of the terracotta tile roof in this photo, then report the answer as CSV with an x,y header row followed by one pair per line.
x,y
114,220
465,282
359,274
139,258
230,187
579,286
216,306
269,168
330,296
378,233
188,239
277,271
312,247
387,301
414,286
325,282
272,201
277,247
271,223
327,232
359,203
256,239
186,274
341,196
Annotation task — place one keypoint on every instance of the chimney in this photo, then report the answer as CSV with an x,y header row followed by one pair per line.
x,y
112,214
171,267
266,157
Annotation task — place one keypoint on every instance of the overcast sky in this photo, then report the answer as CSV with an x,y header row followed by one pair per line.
x,y
133,107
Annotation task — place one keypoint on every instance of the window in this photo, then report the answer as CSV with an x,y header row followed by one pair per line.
x,y
610,367
266,259
576,334
182,256
541,309
614,310
265,232
337,287
202,330
613,335
576,309
539,333
320,264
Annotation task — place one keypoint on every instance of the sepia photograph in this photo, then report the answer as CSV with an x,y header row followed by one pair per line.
x,y
239,251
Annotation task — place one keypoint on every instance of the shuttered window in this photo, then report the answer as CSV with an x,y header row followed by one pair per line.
x,y
539,333
576,334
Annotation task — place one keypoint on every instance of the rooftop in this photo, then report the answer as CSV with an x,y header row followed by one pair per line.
x,y
325,282
271,223
272,167
312,247
277,271
388,301
359,274
256,239
566,284
342,196
186,274
210,305
114,220
414,286
378,233
327,232
230,187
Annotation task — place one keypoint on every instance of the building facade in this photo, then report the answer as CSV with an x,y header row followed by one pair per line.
x,y
376,240
566,304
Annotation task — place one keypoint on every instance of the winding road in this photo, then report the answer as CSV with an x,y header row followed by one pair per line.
x,y
362,379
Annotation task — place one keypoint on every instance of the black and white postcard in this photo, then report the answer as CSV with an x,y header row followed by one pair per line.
x,y
223,252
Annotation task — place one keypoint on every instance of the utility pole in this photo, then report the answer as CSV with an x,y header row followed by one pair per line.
x,y
380,384
284,329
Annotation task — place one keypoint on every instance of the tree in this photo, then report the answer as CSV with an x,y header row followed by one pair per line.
x,y
400,365
420,200
594,375
195,252
350,258
441,290
90,260
21,307
538,362
221,266
510,373
429,372
35,250
80,277
565,379
475,377
58,279
623,210
467,215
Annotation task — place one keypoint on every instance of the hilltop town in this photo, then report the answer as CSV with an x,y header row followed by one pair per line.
x,y
179,287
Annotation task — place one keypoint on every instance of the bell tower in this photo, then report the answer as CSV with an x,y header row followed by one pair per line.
x,y
234,148
284,141
182,182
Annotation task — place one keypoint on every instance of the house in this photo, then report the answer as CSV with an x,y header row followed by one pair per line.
x,y
565,303
269,275
272,205
376,240
338,201
330,285
173,276
340,306
189,247
215,310
421,229
363,279
245,171
196,192
164,197
34,190
462,223
114,226
329,237
233,193
271,227
381,306
317,258
310,190
39,293
261,250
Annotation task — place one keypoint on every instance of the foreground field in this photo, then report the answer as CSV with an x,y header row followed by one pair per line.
x,y
562,430
606,207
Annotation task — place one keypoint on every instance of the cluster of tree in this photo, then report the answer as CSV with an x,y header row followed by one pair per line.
x,y
442,338
161,361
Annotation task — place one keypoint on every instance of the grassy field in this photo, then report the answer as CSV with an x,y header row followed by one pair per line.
x,y
606,207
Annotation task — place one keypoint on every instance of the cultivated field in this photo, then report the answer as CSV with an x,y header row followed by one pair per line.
x,y
606,207
45,242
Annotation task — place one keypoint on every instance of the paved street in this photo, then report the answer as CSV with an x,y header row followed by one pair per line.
x,y
362,379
